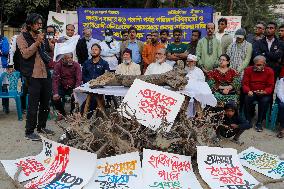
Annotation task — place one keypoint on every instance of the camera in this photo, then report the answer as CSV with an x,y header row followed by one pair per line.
x,y
50,35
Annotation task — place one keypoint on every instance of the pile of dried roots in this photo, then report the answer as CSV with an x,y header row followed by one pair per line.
x,y
113,134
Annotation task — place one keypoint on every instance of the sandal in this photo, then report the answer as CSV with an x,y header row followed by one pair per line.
x,y
280,134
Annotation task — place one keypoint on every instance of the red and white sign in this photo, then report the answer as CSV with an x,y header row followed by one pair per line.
x,y
152,104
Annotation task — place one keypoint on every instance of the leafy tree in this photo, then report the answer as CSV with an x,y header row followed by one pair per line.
x,y
251,11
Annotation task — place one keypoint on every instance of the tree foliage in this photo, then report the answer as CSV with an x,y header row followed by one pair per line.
x,y
251,10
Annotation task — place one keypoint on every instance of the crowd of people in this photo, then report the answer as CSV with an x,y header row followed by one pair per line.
x,y
241,70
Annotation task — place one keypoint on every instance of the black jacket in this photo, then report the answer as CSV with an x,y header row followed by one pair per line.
x,y
82,51
27,65
274,55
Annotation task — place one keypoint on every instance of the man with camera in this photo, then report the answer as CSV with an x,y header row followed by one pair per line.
x,y
34,60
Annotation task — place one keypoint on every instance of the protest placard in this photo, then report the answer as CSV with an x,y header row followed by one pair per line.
x,y
152,104
32,166
221,168
268,164
121,171
58,20
68,46
167,171
63,170
234,23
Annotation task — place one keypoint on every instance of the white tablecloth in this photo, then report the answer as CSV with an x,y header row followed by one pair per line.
x,y
200,91
80,93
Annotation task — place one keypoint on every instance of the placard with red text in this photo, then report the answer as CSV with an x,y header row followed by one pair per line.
x,y
152,104
220,168
167,171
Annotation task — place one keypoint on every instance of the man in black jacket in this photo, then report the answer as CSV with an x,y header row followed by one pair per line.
x,y
271,48
83,47
34,60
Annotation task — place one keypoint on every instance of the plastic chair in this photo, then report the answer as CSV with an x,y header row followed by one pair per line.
x,y
274,115
13,92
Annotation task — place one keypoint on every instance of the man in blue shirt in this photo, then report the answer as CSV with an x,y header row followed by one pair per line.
x,y
95,66
92,69
135,45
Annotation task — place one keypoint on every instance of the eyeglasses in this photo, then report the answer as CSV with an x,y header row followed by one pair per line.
x,y
177,35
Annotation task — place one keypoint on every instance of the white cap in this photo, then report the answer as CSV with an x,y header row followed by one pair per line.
x,y
192,57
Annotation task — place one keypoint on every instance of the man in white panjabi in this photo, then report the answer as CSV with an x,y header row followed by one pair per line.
x,y
128,67
160,66
197,89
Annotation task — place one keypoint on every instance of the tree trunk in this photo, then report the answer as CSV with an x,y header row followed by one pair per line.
x,y
58,7
230,7
148,4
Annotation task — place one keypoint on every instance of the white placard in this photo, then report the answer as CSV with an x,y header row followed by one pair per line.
x,y
121,171
151,104
69,168
220,168
268,164
168,171
234,23
68,46
58,20
32,166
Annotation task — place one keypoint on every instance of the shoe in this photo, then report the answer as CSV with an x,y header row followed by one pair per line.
x,y
6,110
259,129
46,131
33,137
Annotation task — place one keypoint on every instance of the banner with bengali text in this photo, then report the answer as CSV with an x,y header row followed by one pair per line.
x,y
145,20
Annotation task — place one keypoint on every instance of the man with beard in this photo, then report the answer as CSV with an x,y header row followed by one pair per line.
x,y
164,37
161,65
110,50
127,67
208,50
92,69
258,85
150,50
67,76
271,48
177,50
34,60
83,47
